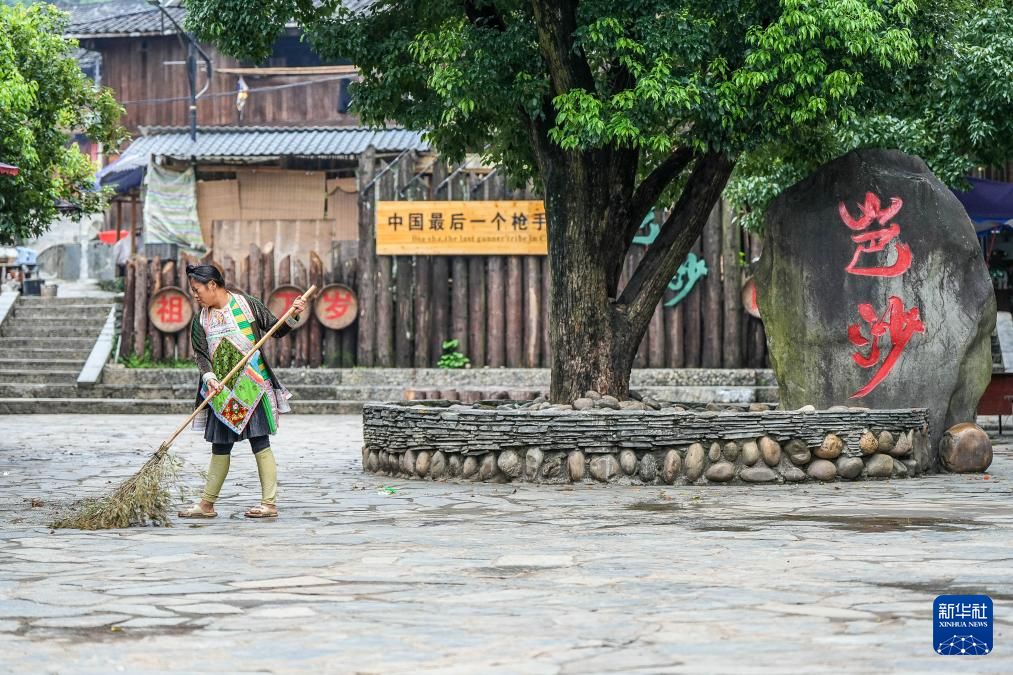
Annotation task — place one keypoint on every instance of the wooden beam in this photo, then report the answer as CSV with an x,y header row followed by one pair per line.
x,y
283,71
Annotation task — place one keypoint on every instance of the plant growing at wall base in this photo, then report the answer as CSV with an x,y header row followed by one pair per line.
x,y
451,357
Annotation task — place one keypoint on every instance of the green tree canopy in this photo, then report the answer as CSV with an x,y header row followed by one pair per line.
x,y
44,97
614,106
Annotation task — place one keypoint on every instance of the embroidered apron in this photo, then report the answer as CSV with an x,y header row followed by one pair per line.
x,y
230,337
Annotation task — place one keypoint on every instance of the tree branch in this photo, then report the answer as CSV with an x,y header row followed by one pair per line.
x,y
678,233
649,191
556,21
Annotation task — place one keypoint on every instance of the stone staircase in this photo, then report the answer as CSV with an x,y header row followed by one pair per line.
x,y
44,343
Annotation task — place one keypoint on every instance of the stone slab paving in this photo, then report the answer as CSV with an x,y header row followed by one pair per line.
x,y
484,578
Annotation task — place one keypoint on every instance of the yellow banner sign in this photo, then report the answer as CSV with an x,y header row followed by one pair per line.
x,y
461,228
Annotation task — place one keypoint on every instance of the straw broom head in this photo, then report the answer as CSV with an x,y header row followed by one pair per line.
x,y
142,499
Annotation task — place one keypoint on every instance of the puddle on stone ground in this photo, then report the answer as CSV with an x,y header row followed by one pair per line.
x,y
944,587
857,523
657,507
869,524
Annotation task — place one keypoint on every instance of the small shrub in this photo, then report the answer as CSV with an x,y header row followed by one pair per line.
x,y
452,358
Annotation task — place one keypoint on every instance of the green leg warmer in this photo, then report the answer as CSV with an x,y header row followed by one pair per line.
x,y
268,471
216,477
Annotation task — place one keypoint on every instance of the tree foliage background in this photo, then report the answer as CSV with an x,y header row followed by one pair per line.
x,y
784,85
44,97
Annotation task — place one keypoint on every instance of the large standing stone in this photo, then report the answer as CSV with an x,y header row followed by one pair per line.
x,y
470,467
820,293
965,449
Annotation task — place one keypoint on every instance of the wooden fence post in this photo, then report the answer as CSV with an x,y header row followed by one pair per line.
x,y
129,303
302,335
385,290
267,285
140,304
711,288
316,331
154,283
732,283
367,259
284,345
168,339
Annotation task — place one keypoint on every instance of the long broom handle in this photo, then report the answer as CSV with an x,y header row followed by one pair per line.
x,y
310,292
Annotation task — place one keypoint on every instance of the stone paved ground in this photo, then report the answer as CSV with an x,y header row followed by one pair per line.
x,y
475,578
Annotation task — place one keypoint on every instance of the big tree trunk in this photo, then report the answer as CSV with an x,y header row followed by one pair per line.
x,y
595,329
589,343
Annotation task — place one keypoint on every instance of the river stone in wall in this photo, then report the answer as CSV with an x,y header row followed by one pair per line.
x,y
874,293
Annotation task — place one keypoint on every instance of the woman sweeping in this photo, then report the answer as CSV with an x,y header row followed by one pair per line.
x,y
247,406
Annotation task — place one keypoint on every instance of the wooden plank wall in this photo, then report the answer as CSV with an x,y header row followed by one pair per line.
x,y
496,306
149,68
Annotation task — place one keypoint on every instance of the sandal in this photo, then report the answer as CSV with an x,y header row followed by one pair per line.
x,y
195,511
262,511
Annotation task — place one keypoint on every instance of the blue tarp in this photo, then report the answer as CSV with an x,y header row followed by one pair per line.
x,y
123,175
989,203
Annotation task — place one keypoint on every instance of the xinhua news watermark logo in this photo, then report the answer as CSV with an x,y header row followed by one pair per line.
x,y
962,625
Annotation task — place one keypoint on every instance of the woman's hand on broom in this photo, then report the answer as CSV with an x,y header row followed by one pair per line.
x,y
298,306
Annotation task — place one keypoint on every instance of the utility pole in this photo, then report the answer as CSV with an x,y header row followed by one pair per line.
x,y
193,49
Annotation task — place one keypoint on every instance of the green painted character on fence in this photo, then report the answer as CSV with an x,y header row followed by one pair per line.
x,y
689,272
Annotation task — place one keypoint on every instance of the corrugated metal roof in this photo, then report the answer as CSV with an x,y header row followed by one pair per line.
x,y
144,22
260,143
136,17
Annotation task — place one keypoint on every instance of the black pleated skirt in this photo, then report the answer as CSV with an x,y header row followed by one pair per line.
x,y
215,430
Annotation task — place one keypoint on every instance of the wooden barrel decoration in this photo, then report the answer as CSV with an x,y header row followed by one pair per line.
x,y
281,298
170,309
749,302
336,307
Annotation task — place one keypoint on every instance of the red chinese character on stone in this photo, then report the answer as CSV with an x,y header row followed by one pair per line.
x,y
876,240
170,309
337,303
899,324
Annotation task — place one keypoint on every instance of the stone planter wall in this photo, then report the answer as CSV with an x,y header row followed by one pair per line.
x,y
497,441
